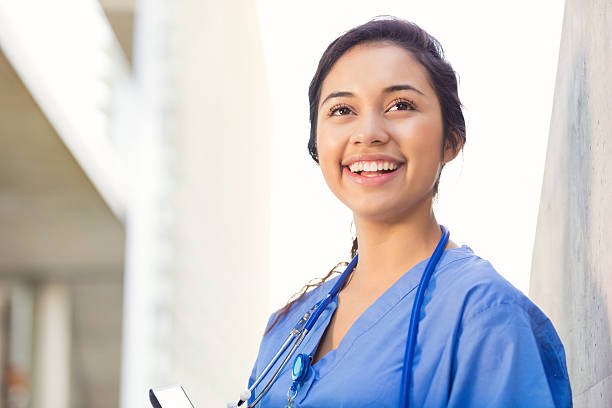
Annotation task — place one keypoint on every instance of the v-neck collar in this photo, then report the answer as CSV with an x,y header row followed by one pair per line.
x,y
380,307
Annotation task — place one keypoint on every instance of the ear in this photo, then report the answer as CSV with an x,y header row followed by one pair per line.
x,y
452,146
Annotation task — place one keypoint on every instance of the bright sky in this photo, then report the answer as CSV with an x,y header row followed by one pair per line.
x,y
506,56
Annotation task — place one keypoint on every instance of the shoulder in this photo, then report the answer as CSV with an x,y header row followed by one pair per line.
x,y
475,287
493,319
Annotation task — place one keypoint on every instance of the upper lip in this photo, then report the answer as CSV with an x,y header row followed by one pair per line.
x,y
370,157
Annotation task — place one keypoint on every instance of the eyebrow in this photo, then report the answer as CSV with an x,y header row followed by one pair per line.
x,y
406,87
389,89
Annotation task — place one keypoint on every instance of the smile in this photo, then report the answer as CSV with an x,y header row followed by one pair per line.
x,y
372,172
372,168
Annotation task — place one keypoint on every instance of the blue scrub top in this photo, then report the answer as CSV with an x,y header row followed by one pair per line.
x,y
481,343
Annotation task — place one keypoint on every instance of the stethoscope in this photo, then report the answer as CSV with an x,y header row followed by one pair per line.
x,y
301,363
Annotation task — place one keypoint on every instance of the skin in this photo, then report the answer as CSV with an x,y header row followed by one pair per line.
x,y
395,223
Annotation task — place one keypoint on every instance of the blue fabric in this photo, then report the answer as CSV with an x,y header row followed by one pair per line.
x,y
481,343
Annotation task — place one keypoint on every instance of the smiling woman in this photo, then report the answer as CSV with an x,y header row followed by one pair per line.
x,y
391,113
415,319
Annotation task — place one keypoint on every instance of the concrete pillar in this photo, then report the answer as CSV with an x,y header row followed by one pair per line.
x,y
196,286
20,329
148,285
52,347
5,331
223,160
571,277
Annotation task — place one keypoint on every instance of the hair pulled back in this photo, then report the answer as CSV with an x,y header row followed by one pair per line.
x,y
443,79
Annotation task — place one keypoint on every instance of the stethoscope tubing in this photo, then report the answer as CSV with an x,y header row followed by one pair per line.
x,y
274,360
414,317
306,323
333,292
295,332
278,370
301,329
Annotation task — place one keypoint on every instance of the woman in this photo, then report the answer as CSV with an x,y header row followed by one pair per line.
x,y
385,119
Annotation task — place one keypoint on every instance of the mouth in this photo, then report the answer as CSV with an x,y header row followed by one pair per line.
x,y
372,168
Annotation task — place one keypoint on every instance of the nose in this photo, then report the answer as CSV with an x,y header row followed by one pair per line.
x,y
370,130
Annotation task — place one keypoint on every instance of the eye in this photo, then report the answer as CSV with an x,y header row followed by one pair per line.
x,y
402,104
339,110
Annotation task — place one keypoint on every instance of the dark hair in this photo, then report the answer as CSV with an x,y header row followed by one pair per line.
x,y
443,79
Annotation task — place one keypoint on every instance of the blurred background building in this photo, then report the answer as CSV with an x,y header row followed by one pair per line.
x,y
134,198
137,185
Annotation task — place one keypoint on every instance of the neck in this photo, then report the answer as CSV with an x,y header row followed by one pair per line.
x,y
388,250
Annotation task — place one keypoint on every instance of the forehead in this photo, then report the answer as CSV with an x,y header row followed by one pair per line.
x,y
373,66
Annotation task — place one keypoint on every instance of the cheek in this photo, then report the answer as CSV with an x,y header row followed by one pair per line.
x,y
423,145
329,149
425,135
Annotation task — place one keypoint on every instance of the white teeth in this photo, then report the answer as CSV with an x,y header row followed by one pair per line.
x,y
372,166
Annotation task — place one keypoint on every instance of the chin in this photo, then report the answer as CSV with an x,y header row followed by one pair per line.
x,y
377,213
